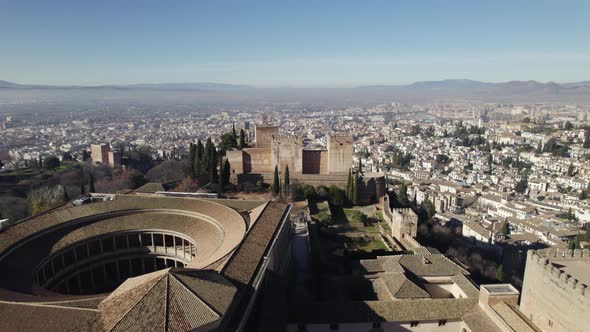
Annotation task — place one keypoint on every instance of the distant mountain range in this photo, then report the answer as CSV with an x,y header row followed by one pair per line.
x,y
424,91
452,84
465,84
150,86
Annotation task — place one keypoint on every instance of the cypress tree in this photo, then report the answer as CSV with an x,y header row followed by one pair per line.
x,y
403,195
192,157
221,183
91,184
82,187
355,190
225,171
360,166
242,142
213,165
505,228
500,273
196,164
207,155
199,167
233,132
66,197
276,183
286,181
349,186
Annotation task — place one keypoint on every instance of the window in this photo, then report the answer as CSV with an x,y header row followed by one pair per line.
x,y
414,323
377,325
550,323
301,327
442,322
334,327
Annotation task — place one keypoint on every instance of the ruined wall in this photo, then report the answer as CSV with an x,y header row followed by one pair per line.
x,y
286,150
339,154
402,221
371,188
553,299
263,135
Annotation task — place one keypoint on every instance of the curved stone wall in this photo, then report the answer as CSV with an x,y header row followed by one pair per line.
x,y
99,264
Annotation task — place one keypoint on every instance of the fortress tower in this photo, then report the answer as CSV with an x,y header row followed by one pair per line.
x,y
339,154
263,133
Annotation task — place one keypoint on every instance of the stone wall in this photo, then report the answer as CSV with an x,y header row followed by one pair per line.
x,y
236,163
257,160
553,299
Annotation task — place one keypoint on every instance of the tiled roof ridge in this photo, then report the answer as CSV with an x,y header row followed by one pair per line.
x,y
72,300
48,305
140,299
209,306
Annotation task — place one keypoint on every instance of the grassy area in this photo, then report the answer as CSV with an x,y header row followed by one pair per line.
x,y
354,216
372,245
21,171
345,225
324,216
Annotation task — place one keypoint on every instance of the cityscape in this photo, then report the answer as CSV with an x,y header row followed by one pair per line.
x,y
344,201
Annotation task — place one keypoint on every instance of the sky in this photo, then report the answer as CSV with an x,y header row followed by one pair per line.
x,y
292,43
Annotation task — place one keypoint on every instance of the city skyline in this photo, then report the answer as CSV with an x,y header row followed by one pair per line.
x,y
292,44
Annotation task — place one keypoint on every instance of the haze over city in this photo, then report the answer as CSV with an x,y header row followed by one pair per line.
x,y
295,166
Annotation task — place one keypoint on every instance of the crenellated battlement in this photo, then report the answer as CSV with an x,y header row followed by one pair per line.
x,y
339,138
548,259
286,139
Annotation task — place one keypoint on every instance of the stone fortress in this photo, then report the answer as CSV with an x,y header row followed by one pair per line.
x,y
313,167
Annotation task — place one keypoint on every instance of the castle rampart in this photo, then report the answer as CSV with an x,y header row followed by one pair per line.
x,y
555,293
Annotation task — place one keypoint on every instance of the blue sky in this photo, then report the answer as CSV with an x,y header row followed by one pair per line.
x,y
292,43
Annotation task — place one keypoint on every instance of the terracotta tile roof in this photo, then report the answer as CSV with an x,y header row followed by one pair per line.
x,y
477,320
150,187
169,299
33,317
149,314
185,310
117,305
430,265
243,264
213,289
379,311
